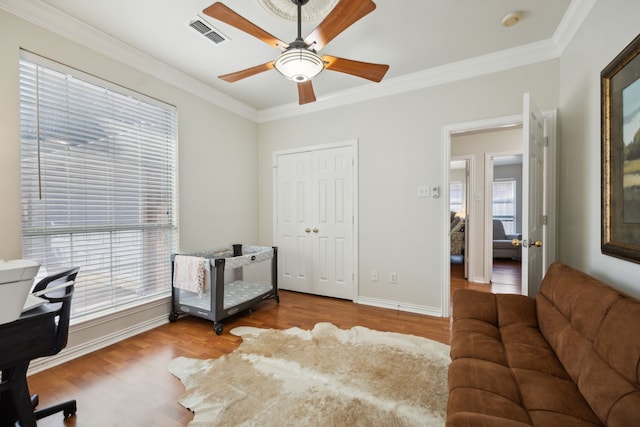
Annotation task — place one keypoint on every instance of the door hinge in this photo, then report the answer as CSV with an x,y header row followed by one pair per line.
x,y
546,141
545,220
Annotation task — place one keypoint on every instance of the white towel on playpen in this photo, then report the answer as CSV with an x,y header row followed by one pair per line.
x,y
189,273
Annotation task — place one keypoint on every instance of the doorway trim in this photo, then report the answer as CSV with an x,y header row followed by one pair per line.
x,y
447,132
353,143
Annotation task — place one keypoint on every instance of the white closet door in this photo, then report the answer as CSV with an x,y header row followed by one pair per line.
x,y
294,222
315,221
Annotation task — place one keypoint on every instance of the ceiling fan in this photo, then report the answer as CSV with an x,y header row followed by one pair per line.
x,y
299,60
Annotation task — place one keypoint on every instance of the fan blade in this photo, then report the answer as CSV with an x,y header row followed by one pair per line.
x,y
305,93
222,13
366,70
344,14
238,75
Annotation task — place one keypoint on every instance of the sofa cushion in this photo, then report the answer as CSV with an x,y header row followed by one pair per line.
x,y
592,328
502,366
467,406
543,393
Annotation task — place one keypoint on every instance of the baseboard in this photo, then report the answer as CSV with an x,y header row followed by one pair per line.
x,y
74,352
395,305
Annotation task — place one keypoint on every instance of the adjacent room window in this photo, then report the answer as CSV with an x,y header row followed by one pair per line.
x,y
456,196
504,203
98,184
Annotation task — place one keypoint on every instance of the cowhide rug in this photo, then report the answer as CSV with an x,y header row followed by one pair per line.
x,y
323,377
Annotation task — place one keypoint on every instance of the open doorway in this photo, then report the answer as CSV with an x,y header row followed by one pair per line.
x,y
472,141
481,146
504,195
538,145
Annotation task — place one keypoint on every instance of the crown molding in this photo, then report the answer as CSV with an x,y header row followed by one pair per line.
x,y
571,21
448,73
52,19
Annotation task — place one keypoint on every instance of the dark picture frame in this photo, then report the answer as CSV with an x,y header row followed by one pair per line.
x,y
620,115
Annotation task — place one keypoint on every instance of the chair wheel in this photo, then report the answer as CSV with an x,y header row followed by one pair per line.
x,y
173,316
70,411
218,328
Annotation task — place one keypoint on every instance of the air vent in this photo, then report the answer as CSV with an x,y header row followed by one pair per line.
x,y
207,30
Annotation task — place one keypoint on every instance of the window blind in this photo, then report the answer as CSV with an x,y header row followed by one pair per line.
x,y
456,199
504,203
98,182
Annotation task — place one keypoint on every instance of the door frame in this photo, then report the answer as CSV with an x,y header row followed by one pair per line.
x,y
550,185
469,170
353,143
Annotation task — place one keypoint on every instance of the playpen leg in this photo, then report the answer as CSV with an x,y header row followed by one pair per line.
x,y
218,328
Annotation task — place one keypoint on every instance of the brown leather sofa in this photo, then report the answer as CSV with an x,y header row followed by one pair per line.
x,y
569,357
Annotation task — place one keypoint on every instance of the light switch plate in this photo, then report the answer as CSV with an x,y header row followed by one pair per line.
x,y
423,191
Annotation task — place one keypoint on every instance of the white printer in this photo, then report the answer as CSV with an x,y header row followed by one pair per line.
x,y
16,279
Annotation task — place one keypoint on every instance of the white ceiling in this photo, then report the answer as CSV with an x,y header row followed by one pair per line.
x,y
413,36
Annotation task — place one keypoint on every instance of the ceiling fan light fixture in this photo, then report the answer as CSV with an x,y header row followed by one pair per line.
x,y
299,64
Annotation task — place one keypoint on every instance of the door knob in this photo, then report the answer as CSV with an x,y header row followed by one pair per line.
x,y
527,243
315,230
307,230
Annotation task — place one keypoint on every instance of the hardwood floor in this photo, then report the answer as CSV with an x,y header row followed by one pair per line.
x,y
506,278
128,383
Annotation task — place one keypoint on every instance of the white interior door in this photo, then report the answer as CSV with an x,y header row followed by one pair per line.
x,y
315,221
293,214
533,197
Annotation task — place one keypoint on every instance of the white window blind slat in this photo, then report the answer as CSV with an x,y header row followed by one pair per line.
x,y
504,203
98,184
456,193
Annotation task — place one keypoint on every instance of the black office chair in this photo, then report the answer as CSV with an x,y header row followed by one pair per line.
x,y
37,333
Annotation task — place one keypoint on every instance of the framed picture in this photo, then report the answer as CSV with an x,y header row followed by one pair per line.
x,y
620,93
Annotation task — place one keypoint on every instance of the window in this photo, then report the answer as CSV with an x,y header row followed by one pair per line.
x,y
456,196
98,184
504,203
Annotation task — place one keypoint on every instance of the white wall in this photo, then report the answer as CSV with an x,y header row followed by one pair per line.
x,y
217,156
609,28
478,146
401,147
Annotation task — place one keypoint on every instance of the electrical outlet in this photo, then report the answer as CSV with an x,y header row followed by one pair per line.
x,y
393,278
374,276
